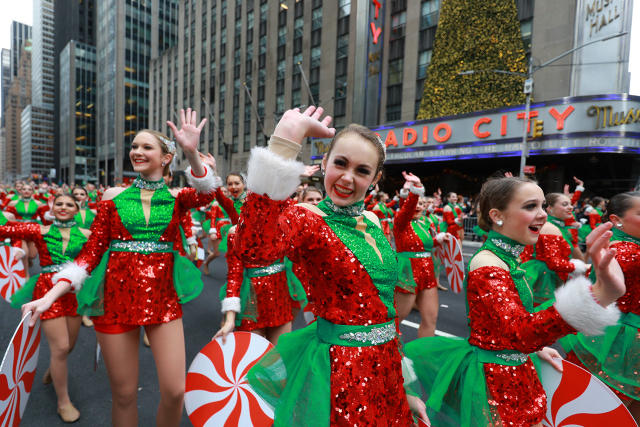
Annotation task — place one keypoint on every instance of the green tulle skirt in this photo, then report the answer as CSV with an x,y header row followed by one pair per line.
x,y
613,357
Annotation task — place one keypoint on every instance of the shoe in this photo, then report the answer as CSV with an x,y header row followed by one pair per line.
x,y
68,413
87,322
442,288
145,339
46,378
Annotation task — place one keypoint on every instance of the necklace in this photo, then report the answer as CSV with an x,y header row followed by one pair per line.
x,y
64,224
144,184
355,209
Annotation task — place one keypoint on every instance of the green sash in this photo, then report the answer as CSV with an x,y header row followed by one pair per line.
x,y
453,209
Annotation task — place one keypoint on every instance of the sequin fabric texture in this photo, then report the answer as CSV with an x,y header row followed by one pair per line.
x,y
271,293
366,382
449,218
138,287
49,254
408,241
555,252
628,256
499,321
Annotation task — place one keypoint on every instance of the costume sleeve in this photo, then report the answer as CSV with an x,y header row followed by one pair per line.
x,y
554,251
402,220
186,222
235,270
190,198
12,210
449,218
368,199
41,213
594,219
20,231
227,205
576,195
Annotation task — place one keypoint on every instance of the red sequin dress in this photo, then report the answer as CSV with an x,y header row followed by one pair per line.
x,y
270,293
407,240
555,252
498,321
51,255
450,218
366,383
138,287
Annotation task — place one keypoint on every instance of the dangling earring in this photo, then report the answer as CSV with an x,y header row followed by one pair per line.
x,y
322,172
619,225
371,187
164,164
499,223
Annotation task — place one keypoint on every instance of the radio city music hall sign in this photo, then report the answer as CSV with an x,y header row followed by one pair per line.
x,y
567,122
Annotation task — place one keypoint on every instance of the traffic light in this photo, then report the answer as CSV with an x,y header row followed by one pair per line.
x,y
538,128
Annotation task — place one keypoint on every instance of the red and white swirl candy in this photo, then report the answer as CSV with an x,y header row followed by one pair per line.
x,y
454,264
17,372
13,273
217,393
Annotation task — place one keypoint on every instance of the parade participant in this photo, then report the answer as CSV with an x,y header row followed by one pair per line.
x,y
452,217
85,216
489,379
266,307
56,244
555,258
311,195
417,282
345,368
26,208
383,209
613,357
137,276
216,219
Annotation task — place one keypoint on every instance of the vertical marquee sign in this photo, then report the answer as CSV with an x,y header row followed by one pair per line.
x,y
375,43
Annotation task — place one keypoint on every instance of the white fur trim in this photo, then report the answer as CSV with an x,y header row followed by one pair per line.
x,y
192,240
579,268
231,304
419,191
19,252
206,184
408,373
49,216
579,188
459,221
396,198
404,193
578,308
73,272
213,233
440,237
273,175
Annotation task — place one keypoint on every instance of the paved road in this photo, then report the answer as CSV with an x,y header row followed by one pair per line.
x,y
89,389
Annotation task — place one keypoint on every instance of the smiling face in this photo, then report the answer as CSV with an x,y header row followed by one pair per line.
x,y
80,195
420,208
350,168
453,198
523,216
64,208
235,185
26,191
146,155
561,208
312,197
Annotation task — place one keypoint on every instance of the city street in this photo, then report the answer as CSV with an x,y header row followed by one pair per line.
x,y
89,390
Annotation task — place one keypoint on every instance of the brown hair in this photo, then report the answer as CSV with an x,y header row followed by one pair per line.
x,y
159,136
308,190
235,173
75,202
552,198
365,133
620,203
496,193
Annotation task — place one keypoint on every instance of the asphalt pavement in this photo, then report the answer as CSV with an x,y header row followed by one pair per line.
x,y
89,389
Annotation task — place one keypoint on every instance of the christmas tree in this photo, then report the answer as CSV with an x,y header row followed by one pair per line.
x,y
477,36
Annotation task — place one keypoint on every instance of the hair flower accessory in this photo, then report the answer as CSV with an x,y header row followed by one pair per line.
x,y
171,145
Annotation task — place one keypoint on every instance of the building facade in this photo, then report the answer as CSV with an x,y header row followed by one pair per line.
x,y
77,113
20,33
18,98
5,77
129,35
36,142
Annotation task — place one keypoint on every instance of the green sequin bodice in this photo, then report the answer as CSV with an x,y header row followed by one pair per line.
x,y
53,239
129,207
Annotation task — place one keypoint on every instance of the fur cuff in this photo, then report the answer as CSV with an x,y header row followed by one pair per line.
x,y
74,273
192,240
418,191
579,188
231,304
404,193
440,237
213,233
578,308
579,268
206,184
270,174
48,215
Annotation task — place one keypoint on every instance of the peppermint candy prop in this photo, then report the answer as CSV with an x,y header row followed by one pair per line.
x,y
217,393
200,254
17,372
577,398
454,264
13,273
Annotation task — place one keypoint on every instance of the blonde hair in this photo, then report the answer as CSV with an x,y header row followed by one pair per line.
x,y
163,141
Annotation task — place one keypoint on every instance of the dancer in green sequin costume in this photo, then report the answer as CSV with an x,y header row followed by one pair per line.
x,y
85,215
56,244
138,277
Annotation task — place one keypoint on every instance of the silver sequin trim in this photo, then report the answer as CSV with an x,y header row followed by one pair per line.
x,y
268,270
64,224
514,250
52,268
376,336
143,184
354,210
141,246
513,357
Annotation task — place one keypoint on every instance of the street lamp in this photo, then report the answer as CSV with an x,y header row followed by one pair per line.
x,y
528,88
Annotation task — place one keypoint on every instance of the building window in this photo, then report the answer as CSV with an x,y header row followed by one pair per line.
x,y
525,29
429,13
424,59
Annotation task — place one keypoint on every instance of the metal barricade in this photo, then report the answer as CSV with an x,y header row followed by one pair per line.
x,y
469,222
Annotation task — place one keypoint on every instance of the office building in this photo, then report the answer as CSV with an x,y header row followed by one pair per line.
x,y
20,33
36,142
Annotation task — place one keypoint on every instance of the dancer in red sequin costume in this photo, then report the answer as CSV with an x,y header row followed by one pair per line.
x,y
56,244
136,229
490,379
414,244
453,217
345,368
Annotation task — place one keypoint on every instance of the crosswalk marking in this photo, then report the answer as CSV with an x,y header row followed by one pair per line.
x,y
439,333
